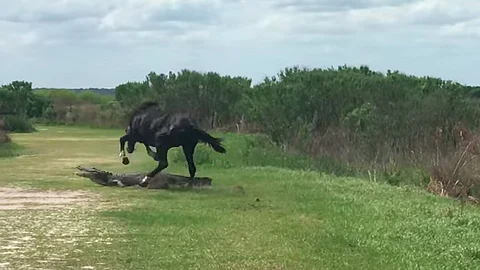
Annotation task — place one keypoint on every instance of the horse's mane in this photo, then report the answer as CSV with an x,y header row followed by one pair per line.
x,y
145,105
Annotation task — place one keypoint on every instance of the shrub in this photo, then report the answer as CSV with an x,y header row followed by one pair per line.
x,y
17,123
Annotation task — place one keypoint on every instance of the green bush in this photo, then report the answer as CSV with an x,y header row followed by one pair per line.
x,y
373,108
17,123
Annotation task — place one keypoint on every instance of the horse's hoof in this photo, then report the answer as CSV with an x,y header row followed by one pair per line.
x,y
144,182
125,161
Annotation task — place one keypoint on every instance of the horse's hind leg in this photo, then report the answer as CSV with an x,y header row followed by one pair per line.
x,y
161,157
189,150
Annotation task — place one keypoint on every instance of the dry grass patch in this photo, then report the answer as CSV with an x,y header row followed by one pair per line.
x,y
457,174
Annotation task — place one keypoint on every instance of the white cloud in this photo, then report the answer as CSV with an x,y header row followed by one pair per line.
x,y
52,11
469,29
317,28
148,15
240,20
368,16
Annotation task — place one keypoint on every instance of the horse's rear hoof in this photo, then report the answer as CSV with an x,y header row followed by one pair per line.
x,y
144,182
125,161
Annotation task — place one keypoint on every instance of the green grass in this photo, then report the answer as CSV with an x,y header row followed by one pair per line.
x,y
289,217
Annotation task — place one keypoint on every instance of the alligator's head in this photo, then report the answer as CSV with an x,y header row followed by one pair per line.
x,y
96,175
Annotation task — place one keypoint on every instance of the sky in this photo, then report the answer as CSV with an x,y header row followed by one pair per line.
x,y
93,43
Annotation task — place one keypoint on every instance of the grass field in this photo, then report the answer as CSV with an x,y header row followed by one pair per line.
x,y
281,217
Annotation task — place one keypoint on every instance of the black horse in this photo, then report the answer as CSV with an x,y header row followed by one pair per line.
x,y
149,125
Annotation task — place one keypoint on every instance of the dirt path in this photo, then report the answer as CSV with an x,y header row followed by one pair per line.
x,y
51,229
17,198
55,229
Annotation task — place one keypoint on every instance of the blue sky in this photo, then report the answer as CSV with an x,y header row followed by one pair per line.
x,y
92,43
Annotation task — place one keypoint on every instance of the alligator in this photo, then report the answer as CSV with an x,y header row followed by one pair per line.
x,y
161,180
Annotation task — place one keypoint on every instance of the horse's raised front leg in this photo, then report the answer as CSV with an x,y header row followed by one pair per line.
x,y
122,154
161,157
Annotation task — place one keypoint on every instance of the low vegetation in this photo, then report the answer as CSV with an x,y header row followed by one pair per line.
x,y
9,150
7,147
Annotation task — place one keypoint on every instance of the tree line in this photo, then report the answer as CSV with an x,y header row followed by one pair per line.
x,y
365,113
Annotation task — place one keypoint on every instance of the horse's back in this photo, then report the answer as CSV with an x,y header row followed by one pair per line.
x,y
142,125
149,123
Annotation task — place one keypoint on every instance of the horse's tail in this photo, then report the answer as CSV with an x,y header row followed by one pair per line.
x,y
215,143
